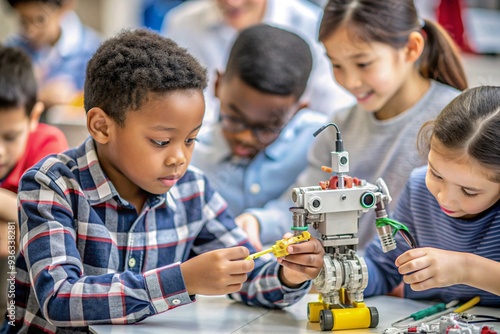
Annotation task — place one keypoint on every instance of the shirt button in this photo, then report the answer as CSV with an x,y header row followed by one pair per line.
x,y
132,262
176,301
255,188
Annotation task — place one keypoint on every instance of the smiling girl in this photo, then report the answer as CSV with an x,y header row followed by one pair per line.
x,y
452,208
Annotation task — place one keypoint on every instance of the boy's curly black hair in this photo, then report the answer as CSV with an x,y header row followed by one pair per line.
x,y
127,67
58,3
18,86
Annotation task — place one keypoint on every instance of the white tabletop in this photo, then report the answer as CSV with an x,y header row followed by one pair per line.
x,y
222,315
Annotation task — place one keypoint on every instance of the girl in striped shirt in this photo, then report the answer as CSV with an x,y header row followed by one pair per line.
x,y
452,207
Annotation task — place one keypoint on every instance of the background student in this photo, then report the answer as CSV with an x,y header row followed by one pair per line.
x,y
58,44
23,141
259,146
452,208
208,29
122,226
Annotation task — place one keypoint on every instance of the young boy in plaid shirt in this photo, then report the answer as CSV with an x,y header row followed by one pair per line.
x,y
121,227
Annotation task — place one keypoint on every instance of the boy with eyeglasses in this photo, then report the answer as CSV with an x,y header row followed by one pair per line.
x,y
258,148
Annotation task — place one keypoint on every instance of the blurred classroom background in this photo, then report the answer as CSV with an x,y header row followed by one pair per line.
x,y
480,21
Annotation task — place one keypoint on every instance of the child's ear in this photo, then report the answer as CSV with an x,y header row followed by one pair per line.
x,y
99,125
414,46
302,105
218,79
36,112
299,105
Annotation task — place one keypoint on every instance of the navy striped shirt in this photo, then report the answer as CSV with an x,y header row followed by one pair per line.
x,y
87,257
420,212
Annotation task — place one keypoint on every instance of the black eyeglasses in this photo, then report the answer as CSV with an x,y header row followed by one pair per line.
x,y
263,134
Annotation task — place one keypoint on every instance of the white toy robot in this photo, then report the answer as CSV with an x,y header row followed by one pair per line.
x,y
333,209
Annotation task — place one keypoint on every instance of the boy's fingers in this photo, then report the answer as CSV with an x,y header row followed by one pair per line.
x,y
305,260
236,253
310,272
238,279
241,266
311,246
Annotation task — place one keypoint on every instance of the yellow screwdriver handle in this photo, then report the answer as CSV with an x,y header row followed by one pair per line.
x,y
259,254
279,248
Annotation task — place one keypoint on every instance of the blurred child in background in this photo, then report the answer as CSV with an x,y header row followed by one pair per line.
x,y
23,141
58,44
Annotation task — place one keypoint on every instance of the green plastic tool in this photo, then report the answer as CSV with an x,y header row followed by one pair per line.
x,y
428,311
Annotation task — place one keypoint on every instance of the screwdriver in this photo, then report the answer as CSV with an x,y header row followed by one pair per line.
x,y
460,309
428,311
259,254
279,248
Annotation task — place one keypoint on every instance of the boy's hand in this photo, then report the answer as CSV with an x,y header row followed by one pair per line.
x,y
427,268
303,263
218,272
249,223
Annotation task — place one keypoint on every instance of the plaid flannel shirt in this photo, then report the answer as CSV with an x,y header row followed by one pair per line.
x,y
87,257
